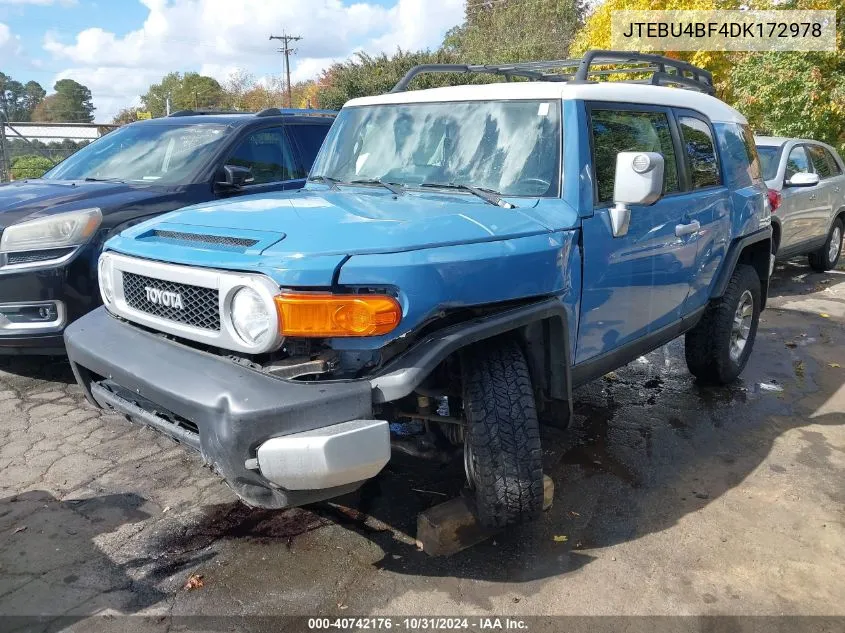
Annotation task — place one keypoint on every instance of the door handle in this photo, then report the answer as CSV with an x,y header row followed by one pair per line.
x,y
812,196
836,189
687,229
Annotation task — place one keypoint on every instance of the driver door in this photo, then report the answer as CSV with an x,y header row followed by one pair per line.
x,y
636,283
269,155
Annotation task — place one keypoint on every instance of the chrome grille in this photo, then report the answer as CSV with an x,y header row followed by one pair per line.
x,y
201,308
221,240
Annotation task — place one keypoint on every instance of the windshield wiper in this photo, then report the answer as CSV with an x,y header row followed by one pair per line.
x,y
493,197
396,188
89,179
331,182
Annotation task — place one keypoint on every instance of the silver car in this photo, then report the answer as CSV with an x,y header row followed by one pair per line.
x,y
806,181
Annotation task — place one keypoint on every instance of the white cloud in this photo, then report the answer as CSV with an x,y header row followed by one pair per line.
x,y
10,44
218,36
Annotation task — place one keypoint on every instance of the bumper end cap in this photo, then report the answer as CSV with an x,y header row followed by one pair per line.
x,y
326,457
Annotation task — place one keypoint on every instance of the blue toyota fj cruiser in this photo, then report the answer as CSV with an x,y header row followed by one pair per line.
x,y
461,257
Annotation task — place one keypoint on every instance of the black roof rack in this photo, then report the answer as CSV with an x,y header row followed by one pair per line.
x,y
204,112
663,70
295,112
262,113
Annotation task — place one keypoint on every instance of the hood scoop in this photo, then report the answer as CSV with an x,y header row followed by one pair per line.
x,y
217,240
231,240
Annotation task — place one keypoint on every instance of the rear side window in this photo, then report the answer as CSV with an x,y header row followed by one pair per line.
x,y
797,162
701,153
835,169
754,167
308,139
769,158
820,164
617,131
269,156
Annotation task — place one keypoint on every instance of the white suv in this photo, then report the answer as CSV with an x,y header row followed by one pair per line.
x,y
806,181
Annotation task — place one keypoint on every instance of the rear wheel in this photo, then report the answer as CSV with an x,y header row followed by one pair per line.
x,y
502,454
718,348
828,255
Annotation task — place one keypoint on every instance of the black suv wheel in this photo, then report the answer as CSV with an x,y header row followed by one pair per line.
x,y
719,346
502,454
826,257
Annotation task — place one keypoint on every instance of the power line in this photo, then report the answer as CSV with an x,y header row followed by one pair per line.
x,y
287,50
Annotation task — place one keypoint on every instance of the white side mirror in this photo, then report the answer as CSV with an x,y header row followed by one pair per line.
x,y
802,179
638,180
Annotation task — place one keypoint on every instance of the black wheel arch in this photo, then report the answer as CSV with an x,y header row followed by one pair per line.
x,y
776,234
753,249
541,326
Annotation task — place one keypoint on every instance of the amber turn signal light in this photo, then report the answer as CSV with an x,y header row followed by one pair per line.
x,y
329,315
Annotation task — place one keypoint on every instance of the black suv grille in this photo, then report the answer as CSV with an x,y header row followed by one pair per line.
x,y
200,306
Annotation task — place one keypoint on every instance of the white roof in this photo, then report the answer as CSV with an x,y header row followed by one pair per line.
x,y
776,141
613,91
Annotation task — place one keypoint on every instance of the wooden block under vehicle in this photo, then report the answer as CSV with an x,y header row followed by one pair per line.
x,y
451,526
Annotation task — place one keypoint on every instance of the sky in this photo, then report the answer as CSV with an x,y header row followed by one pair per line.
x,y
119,47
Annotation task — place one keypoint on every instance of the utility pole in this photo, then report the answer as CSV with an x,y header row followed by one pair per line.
x,y
287,50
5,164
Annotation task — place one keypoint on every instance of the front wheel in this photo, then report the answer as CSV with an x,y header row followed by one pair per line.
x,y
502,454
718,347
826,257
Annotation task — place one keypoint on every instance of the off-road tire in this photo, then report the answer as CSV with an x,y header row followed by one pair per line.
x,y
503,433
820,261
708,344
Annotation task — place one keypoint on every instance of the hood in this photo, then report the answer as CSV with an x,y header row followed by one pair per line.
x,y
30,199
301,238
313,222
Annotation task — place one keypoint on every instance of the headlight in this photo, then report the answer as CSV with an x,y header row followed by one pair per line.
x,y
104,276
63,229
252,318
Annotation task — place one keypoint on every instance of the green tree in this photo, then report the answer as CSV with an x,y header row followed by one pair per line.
x,y
33,95
70,103
31,166
190,91
516,30
805,96
126,115
365,75
795,93
17,100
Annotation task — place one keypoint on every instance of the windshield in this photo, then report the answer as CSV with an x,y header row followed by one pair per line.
x,y
769,160
511,147
164,154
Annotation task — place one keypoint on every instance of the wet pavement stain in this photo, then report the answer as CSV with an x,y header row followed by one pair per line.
x,y
594,452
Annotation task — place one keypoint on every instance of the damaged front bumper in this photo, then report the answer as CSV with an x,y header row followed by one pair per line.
x,y
277,443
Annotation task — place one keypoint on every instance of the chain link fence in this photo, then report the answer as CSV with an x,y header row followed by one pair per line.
x,y
28,150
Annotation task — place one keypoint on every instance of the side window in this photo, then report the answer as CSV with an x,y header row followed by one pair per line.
x,y
835,169
820,164
754,167
268,154
308,139
701,153
797,163
617,131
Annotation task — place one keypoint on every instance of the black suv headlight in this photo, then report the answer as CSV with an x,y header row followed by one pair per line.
x,y
56,231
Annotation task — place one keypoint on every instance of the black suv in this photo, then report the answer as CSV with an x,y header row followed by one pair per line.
x,y
53,228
